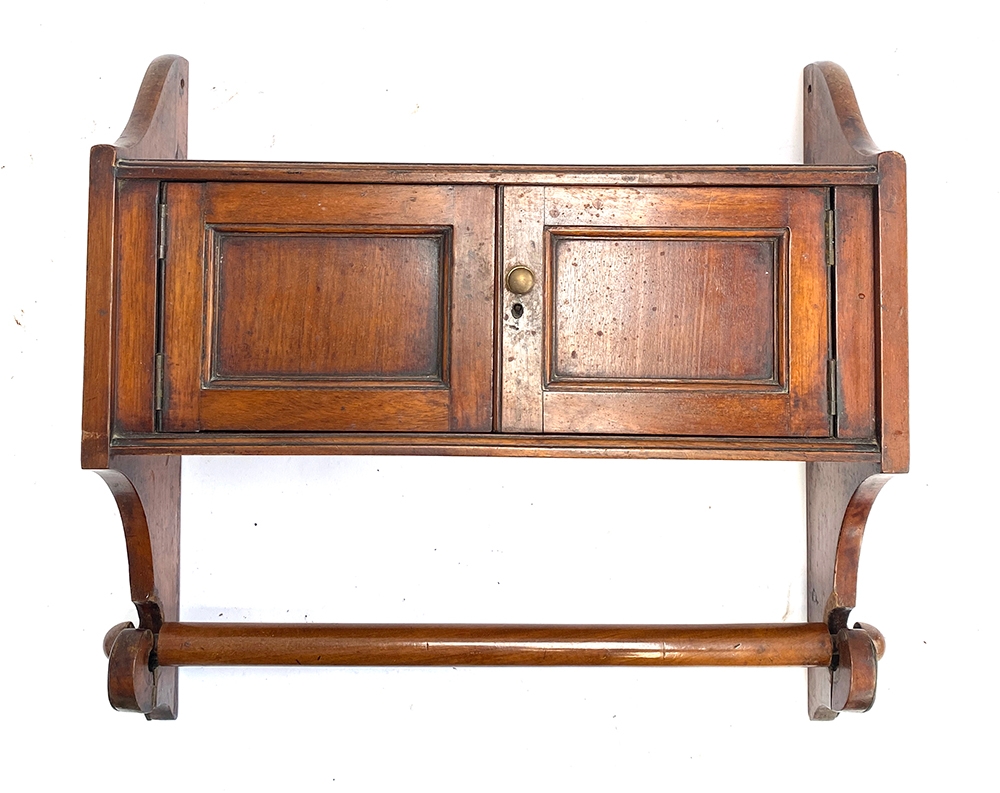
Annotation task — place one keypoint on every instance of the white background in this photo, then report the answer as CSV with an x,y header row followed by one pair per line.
x,y
447,540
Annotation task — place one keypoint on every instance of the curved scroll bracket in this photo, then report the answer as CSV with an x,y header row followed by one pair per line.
x,y
839,498
157,128
147,491
848,555
833,130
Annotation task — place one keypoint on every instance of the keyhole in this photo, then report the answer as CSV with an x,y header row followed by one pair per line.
x,y
517,311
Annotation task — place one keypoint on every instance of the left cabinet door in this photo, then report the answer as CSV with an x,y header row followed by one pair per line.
x,y
311,308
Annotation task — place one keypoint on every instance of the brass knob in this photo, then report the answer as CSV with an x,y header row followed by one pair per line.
x,y
520,280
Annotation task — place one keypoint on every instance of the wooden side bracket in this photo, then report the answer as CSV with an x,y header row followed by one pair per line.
x,y
147,491
839,496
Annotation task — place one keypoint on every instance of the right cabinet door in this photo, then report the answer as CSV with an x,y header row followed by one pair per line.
x,y
667,311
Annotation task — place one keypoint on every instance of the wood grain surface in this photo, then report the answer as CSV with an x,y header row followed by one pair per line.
x,y
503,445
329,307
664,308
327,304
219,644
156,128
148,494
136,301
834,133
893,320
526,175
98,342
856,305
732,253
839,495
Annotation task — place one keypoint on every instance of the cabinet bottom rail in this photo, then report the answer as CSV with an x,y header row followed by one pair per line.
x,y
280,644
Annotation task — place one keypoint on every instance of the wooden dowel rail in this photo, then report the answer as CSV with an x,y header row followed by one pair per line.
x,y
263,644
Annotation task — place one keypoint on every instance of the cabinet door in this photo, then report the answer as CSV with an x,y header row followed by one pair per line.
x,y
669,311
328,307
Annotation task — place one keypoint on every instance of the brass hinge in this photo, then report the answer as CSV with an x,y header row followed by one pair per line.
x,y
831,385
161,230
830,227
160,361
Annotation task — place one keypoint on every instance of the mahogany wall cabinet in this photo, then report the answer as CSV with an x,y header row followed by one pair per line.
x,y
700,312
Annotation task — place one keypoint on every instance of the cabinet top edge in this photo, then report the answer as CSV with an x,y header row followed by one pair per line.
x,y
494,175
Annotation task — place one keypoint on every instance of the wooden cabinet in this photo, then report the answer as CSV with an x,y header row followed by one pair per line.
x,y
702,311
718,312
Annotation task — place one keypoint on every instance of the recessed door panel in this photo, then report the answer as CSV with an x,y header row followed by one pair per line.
x,y
660,307
327,304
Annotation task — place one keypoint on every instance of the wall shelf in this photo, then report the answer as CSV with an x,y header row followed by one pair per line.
x,y
712,312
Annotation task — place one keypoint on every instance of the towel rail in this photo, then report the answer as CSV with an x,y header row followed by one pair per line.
x,y
219,644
